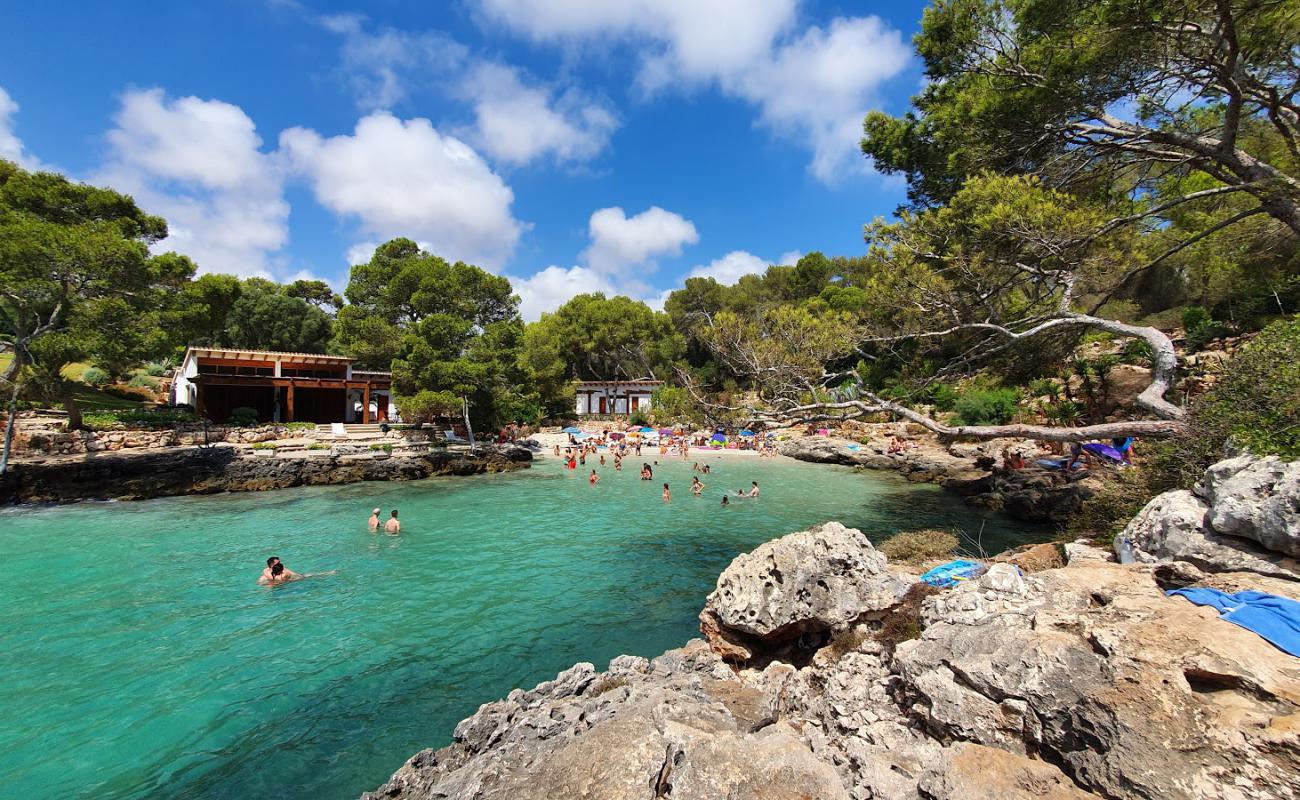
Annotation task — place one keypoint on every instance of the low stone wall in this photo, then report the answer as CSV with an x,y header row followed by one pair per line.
x,y
49,439
202,470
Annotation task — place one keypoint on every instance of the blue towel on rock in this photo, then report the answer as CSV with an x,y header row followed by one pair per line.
x,y
1276,619
946,575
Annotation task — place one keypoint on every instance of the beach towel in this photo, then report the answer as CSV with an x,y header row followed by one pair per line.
x,y
946,575
1275,619
1105,451
1052,463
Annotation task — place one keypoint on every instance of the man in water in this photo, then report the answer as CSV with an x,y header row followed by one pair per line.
x,y
392,525
754,492
667,495
726,501
594,478
276,572
374,520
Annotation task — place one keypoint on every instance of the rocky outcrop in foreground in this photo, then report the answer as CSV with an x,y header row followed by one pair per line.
x,y
1244,515
164,473
828,673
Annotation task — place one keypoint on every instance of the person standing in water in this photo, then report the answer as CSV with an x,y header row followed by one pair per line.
x,y
726,501
754,492
696,487
593,479
392,525
667,494
374,520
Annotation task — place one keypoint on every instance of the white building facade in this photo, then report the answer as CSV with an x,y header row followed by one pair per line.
x,y
613,398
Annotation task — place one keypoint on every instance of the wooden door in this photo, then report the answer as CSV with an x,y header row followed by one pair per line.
x,y
382,401
636,402
603,404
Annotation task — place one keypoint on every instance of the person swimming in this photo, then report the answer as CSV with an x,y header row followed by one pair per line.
x,y
726,501
392,525
593,479
276,572
374,520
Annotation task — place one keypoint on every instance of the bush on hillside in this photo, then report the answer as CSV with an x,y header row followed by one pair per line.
x,y
921,545
986,406
944,397
1199,327
638,417
94,376
243,417
155,369
1255,406
143,382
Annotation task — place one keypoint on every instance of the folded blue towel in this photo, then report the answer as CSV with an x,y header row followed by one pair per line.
x,y
1275,619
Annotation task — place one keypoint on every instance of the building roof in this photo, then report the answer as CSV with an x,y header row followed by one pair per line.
x,y
378,372
293,358
617,384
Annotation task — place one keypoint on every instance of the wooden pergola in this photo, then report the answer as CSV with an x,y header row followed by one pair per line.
x,y
290,384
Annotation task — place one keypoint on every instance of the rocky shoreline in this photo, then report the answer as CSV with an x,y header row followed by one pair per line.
x,y
1033,494
828,672
208,470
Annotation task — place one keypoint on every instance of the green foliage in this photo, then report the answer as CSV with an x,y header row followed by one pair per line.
x,y
1043,387
426,405
299,426
264,318
1255,406
918,546
138,418
1200,327
318,446
96,377
1136,351
385,448
264,446
671,404
143,382
452,329
638,417
978,406
944,397
1063,413
155,369
243,417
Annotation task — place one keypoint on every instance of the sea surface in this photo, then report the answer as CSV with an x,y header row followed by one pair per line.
x,y
140,659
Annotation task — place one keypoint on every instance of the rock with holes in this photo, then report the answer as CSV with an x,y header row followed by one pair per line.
x,y
681,726
1129,692
799,587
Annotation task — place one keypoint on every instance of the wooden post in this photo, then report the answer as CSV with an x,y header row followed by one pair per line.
x,y
198,399
289,401
365,404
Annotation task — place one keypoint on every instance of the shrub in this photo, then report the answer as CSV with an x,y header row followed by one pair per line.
x,y
1063,412
919,545
317,446
94,376
264,446
155,369
1255,406
138,418
638,417
986,406
1199,327
944,397
1136,351
903,621
243,417
143,382
299,426
1043,387
387,448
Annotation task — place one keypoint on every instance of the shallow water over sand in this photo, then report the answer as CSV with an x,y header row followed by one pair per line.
x,y
140,657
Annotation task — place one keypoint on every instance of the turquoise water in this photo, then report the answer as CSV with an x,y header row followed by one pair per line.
x,y
140,658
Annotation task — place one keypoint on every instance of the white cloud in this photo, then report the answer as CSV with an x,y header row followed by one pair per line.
x,y
789,258
552,287
516,123
814,86
11,147
199,164
381,66
619,241
729,268
404,178
516,118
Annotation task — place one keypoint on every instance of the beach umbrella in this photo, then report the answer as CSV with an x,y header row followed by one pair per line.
x,y
665,431
647,430
746,433
718,437
616,436
572,429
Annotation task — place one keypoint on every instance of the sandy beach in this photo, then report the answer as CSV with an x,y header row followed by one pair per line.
x,y
550,440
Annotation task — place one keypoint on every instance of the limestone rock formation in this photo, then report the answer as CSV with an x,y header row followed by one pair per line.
x,y
799,587
1073,681
1244,516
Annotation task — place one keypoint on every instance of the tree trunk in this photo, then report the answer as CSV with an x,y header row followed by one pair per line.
x,y
70,405
9,427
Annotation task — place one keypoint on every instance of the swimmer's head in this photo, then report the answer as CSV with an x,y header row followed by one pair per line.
x,y
394,513
272,561
277,568
375,512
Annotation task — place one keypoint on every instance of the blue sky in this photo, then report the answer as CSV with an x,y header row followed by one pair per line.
x,y
572,145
